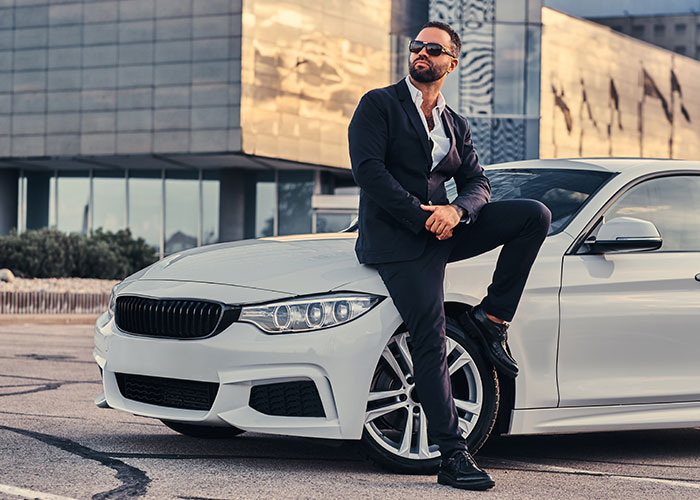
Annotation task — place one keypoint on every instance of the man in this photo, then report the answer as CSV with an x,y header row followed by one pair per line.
x,y
404,144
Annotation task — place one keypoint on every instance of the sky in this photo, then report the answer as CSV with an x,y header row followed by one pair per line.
x,y
604,8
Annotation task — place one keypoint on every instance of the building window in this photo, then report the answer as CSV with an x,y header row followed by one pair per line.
x,y
109,200
210,207
638,30
697,52
181,210
260,201
145,197
659,30
617,28
294,191
680,28
679,49
73,195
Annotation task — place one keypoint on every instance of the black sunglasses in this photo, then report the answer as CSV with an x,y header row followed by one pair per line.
x,y
432,48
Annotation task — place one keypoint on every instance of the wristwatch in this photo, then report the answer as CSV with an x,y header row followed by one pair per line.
x,y
463,215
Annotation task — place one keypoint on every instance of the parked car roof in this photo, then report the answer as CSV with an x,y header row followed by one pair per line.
x,y
599,164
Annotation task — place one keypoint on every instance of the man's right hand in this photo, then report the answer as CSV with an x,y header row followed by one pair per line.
x,y
442,220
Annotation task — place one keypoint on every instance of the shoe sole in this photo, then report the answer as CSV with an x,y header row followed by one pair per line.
x,y
480,337
479,485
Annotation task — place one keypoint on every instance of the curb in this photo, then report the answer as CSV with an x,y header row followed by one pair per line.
x,y
47,319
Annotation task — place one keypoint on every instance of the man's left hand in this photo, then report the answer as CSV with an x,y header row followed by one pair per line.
x,y
442,220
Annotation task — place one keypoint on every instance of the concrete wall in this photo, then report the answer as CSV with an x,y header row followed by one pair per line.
x,y
128,77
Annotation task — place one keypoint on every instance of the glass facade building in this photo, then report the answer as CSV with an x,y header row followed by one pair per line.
x,y
197,121
625,98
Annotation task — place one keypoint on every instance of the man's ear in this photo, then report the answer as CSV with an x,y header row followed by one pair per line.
x,y
453,65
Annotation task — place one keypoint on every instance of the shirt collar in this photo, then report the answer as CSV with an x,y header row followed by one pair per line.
x,y
417,96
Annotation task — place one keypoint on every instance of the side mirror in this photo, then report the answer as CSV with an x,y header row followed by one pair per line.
x,y
625,234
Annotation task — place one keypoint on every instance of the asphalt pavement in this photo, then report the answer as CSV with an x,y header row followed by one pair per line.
x,y
55,444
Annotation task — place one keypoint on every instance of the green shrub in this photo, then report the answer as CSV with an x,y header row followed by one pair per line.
x,y
47,253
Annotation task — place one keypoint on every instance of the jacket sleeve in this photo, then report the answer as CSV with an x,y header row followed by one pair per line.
x,y
473,188
368,140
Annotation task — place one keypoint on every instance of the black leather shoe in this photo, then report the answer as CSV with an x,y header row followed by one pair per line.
x,y
494,339
460,471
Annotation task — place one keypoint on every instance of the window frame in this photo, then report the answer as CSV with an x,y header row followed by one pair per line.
x,y
576,247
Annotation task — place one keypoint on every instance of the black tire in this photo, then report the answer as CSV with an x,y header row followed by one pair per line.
x,y
461,387
204,431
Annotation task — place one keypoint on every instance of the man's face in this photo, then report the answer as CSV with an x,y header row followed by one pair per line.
x,y
425,68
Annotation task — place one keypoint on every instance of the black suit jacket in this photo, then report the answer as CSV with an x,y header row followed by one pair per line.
x,y
391,162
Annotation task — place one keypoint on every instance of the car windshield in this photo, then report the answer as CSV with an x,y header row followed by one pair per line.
x,y
563,191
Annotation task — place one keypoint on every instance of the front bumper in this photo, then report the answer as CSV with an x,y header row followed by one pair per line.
x,y
339,361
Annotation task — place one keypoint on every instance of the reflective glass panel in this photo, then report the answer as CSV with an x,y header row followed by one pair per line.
x,y
181,211
510,69
73,202
295,191
145,194
109,199
260,202
532,83
333,222
210,209
264,208
512,11
52,203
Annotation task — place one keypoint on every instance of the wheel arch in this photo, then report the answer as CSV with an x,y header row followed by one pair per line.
x,y
454,309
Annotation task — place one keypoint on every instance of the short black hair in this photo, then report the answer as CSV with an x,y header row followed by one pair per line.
x,y
454,37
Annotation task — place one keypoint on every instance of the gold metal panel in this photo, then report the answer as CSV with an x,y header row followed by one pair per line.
x,y
304,68
607,94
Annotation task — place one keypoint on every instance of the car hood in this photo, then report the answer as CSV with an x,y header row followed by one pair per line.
x,y
297,265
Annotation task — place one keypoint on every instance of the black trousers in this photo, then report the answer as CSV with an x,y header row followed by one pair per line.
x,y
417,289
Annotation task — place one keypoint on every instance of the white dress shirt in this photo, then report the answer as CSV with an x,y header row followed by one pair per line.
x,y
438,136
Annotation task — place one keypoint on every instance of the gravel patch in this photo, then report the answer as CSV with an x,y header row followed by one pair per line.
x,y
74,285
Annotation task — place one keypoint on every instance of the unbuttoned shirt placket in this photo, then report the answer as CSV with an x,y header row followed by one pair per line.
x,y
438,138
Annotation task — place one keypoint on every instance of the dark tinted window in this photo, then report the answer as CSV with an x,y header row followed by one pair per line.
x,y
563,191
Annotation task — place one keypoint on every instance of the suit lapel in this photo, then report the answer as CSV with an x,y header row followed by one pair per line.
x,y
410,108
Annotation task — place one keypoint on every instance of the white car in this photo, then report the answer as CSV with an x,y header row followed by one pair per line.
x,y
291,335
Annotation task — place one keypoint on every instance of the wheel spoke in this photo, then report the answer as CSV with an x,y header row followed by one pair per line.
x,y
468,406
405,448
376,396
405,353
389,357
383,410
459,362
423,447
466,425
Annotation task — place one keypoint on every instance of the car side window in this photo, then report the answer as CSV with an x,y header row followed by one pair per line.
x,y
672,203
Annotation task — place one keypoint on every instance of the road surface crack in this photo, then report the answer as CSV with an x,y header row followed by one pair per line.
x,y
134,481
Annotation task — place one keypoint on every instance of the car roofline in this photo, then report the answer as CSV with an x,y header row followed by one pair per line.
x,y
613,165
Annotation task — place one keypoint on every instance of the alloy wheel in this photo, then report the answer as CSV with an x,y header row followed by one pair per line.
x,y
395,419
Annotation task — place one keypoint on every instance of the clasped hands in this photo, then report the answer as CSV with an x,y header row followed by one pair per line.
x,y
442,220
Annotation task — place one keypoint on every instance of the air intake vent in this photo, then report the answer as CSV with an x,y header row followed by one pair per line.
x,y
180,319
287,399
170,392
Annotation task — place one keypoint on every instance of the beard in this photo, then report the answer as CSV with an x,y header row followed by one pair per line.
x,y
426,75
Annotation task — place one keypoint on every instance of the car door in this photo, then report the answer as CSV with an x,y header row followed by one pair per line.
x,y
630,322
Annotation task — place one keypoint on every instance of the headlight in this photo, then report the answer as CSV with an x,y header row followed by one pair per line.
x,y
112,300
309,313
